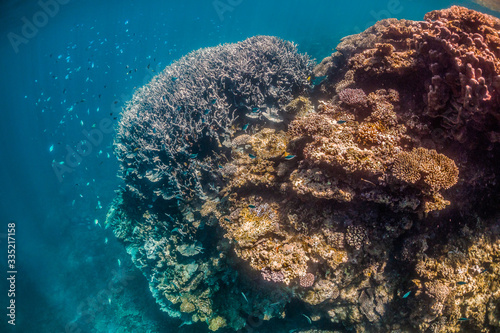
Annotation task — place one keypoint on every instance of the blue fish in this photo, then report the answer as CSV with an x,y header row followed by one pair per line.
x,y
461,283
245,127
193,155
174,79
214,101
227,220
340,122
220,166
251,206
407,294
289,157
318,80
252,156
463,319
255,109
207,111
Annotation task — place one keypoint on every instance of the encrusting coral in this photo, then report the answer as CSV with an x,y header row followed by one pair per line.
x,y
367,196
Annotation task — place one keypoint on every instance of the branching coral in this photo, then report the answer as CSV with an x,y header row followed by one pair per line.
x,y
435,170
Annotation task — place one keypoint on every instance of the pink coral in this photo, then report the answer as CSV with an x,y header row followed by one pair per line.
x,y
307,280
355,97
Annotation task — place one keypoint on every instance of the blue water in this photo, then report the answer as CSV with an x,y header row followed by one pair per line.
x,y
70,72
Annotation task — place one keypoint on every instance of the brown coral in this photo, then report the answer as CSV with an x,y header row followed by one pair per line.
x,y
435,170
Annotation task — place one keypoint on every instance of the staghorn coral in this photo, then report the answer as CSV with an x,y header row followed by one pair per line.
x,y
345,197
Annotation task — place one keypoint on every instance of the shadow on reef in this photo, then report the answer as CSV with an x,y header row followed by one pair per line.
x,y
364,189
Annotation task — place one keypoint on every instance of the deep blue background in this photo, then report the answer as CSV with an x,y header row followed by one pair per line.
x,y
78,68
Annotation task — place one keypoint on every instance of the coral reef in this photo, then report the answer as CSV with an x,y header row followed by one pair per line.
x,y
370,197
174,140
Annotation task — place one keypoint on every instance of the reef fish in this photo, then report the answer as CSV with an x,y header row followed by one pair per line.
x,y
252,156
255,109
407,294
317,80
463,319
245,127
193,155
461,283
251,206
174,79
289,157
340,122
214,101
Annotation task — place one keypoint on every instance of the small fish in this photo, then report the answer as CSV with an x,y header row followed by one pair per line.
x,y
308,319
245,127
252,156
461,283
251,206
207,111
214,101
463,319
255,109
289,157
407,294
220,166
119,263
173,79
483,271
317,80
246,299
227,220
193,155
340,122
136,149
51,148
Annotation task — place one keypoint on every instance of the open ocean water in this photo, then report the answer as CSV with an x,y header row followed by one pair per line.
x,y
68,68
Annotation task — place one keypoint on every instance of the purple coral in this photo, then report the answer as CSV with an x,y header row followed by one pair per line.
x,y
272,276
354,97
307,280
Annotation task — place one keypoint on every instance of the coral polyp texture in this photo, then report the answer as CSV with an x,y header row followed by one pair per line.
x,y
369,198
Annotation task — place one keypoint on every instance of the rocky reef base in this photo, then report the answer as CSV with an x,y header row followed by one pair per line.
x,y
365,188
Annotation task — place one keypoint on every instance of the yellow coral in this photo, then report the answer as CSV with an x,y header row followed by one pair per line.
x,y
299,107
187,307
216,323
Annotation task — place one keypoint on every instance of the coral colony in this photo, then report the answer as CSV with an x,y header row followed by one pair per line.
x,y
366,196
